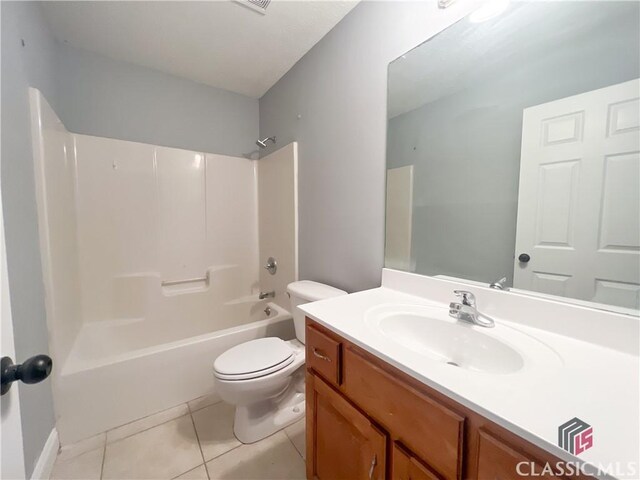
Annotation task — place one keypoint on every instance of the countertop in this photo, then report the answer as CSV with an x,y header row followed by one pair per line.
x,y
597,384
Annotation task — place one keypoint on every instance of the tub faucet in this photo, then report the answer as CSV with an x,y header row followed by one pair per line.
x,y
264,295
466,311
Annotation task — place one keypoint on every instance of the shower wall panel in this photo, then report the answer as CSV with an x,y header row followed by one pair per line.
x,y
117,217
278,219
181,208
150,214
231,187
55,178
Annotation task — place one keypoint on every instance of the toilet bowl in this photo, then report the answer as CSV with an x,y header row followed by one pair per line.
x,y
264,378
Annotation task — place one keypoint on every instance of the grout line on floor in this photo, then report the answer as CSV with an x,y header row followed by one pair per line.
x,y
296,449
189,411
104,456
61,447
149,428
64,449
147,416
193,422
294,446
201,408
223,454
192,469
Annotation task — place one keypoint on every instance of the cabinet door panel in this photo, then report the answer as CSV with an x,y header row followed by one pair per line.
x,y
424,425
405,466
344,444
499,461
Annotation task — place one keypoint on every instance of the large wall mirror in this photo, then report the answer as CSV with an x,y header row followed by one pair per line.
x,y
513,152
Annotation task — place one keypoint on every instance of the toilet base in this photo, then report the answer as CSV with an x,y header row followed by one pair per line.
x,y
258,420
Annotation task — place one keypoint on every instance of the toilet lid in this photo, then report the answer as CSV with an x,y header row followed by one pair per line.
x,y
253,359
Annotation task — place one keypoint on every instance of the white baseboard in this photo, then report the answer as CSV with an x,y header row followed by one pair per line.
x,y
47,458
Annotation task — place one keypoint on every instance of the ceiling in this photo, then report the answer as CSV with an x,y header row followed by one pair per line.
x,y
466,53
223,44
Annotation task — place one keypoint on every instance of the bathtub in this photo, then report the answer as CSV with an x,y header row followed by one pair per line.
x,y
119,371
148,274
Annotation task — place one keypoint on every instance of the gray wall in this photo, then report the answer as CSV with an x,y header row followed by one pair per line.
x,y
339,91
22,66
465,147
103,97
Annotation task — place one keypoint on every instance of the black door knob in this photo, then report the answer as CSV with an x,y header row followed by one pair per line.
x,y
524,257
33,370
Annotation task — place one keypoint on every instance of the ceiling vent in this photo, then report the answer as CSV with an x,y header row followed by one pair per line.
x,y
445,3
259,6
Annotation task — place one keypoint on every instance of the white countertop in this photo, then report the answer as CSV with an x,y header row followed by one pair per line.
x,y
597,384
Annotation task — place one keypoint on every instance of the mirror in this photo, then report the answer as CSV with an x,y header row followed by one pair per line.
x,y
513,152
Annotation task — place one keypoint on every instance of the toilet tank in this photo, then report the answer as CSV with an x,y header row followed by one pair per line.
x,y
306,291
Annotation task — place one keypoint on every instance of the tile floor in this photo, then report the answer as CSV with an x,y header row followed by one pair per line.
x,y
190,441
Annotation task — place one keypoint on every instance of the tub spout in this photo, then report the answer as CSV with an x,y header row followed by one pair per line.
x,y
264,295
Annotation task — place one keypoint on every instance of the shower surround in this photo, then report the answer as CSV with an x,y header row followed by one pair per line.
x,y
152,266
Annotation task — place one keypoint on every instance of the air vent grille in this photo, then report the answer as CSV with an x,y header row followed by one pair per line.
x,y
259,6
263,4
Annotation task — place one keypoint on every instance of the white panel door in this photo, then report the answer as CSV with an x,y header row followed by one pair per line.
x,y
579,197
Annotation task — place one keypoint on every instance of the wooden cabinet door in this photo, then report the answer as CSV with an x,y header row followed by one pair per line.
x,y
405,466
499,461
343,444
425,426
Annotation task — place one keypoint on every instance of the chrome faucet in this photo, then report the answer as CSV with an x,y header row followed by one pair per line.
x,y
264,295
466,311
499,284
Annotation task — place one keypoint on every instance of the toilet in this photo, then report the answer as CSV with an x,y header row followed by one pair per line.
x,y
264,378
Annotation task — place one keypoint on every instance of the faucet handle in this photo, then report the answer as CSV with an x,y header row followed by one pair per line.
x,y
468,298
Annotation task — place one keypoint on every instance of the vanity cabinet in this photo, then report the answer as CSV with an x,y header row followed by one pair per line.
x,y
368,420
347,444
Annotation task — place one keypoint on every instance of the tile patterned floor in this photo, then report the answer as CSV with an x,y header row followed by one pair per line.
x,y
190,441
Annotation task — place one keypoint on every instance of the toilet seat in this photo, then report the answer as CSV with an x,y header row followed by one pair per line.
x,y
254,359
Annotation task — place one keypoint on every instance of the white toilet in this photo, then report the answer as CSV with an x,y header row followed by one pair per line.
x,y
264,378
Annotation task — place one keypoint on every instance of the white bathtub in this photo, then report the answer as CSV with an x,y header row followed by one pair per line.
x,y
114,375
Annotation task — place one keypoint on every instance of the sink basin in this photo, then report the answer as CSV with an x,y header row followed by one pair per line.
x,y
430,332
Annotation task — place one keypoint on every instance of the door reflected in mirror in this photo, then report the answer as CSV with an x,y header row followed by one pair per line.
x,y
513,151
